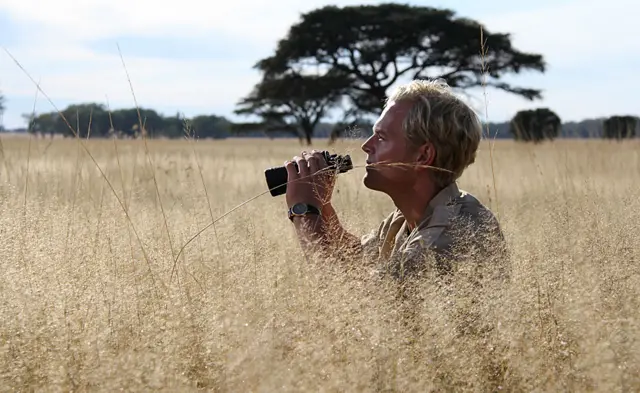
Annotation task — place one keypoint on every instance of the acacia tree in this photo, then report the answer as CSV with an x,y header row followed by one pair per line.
x,y
619,127
535,125
376,45
292,102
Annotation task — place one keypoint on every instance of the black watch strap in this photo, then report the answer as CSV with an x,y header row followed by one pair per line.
x,y
302,209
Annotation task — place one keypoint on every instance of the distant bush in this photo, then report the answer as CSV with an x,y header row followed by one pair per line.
x,y
535,125
619,127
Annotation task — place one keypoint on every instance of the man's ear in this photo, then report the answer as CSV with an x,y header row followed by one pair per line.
x,y
427,154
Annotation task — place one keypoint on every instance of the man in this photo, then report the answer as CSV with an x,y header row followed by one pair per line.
x,y
421,143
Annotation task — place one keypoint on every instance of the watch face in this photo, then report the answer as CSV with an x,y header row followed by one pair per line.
x,y
299,208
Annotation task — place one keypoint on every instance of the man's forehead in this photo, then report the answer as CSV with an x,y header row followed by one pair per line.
x,y
392,114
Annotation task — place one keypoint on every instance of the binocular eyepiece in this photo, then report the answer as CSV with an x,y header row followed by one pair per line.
x,y
277,177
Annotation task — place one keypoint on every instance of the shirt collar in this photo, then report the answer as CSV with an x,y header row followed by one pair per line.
x,y
445,197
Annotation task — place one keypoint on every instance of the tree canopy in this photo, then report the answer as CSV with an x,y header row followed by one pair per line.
x,y
292,102
535,125
373,46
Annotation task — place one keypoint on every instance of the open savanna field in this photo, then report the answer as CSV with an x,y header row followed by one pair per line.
x,y
98,293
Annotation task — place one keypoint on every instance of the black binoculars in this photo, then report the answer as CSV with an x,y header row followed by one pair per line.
x,y
277,177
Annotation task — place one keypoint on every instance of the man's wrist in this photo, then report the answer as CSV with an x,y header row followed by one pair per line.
x,y
301,209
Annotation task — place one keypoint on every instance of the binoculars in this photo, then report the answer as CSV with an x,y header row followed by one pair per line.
x,y
277,177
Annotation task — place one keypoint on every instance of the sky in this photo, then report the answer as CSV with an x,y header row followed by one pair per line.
x,y
195,57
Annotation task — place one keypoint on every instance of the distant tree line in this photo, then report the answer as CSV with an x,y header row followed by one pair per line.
x,y
94,120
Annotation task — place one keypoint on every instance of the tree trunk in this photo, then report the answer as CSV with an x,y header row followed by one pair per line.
x,y
308,133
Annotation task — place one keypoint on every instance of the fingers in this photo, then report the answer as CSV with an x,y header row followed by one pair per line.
x,y
303,165
308,164
316,161
292,172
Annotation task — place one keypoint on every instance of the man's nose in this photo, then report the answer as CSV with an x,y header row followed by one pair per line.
x,y
365,146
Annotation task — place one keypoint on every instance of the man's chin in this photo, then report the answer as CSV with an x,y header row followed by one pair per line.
x,y
376,181
369,181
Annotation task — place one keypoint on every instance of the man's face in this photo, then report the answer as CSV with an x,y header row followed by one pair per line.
x,y
388,144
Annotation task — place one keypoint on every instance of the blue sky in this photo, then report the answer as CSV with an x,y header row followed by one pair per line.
x,y
196,58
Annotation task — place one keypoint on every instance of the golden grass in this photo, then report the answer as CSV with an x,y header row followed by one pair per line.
x,y
83,309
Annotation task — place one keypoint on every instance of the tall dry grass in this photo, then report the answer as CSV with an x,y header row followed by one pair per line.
x,y
91,298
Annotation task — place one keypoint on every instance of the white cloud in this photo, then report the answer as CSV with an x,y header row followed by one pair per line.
x,y
79,75
257,20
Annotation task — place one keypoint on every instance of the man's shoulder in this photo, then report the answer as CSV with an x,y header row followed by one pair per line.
x,y
461,204
463,216
474,211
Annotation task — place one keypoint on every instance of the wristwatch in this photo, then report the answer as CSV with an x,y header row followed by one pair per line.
x,y
301,209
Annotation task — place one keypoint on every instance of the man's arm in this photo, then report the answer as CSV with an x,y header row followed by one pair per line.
x,y
324,233
307,183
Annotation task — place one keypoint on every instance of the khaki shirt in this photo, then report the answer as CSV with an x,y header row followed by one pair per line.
x,y
455,225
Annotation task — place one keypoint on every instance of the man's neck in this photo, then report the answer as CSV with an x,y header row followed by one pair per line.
x,y
413,203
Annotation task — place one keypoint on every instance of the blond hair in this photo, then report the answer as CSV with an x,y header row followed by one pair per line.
x,y
439,117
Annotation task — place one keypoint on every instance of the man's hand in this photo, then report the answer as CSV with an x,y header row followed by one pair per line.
x,y
313,183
